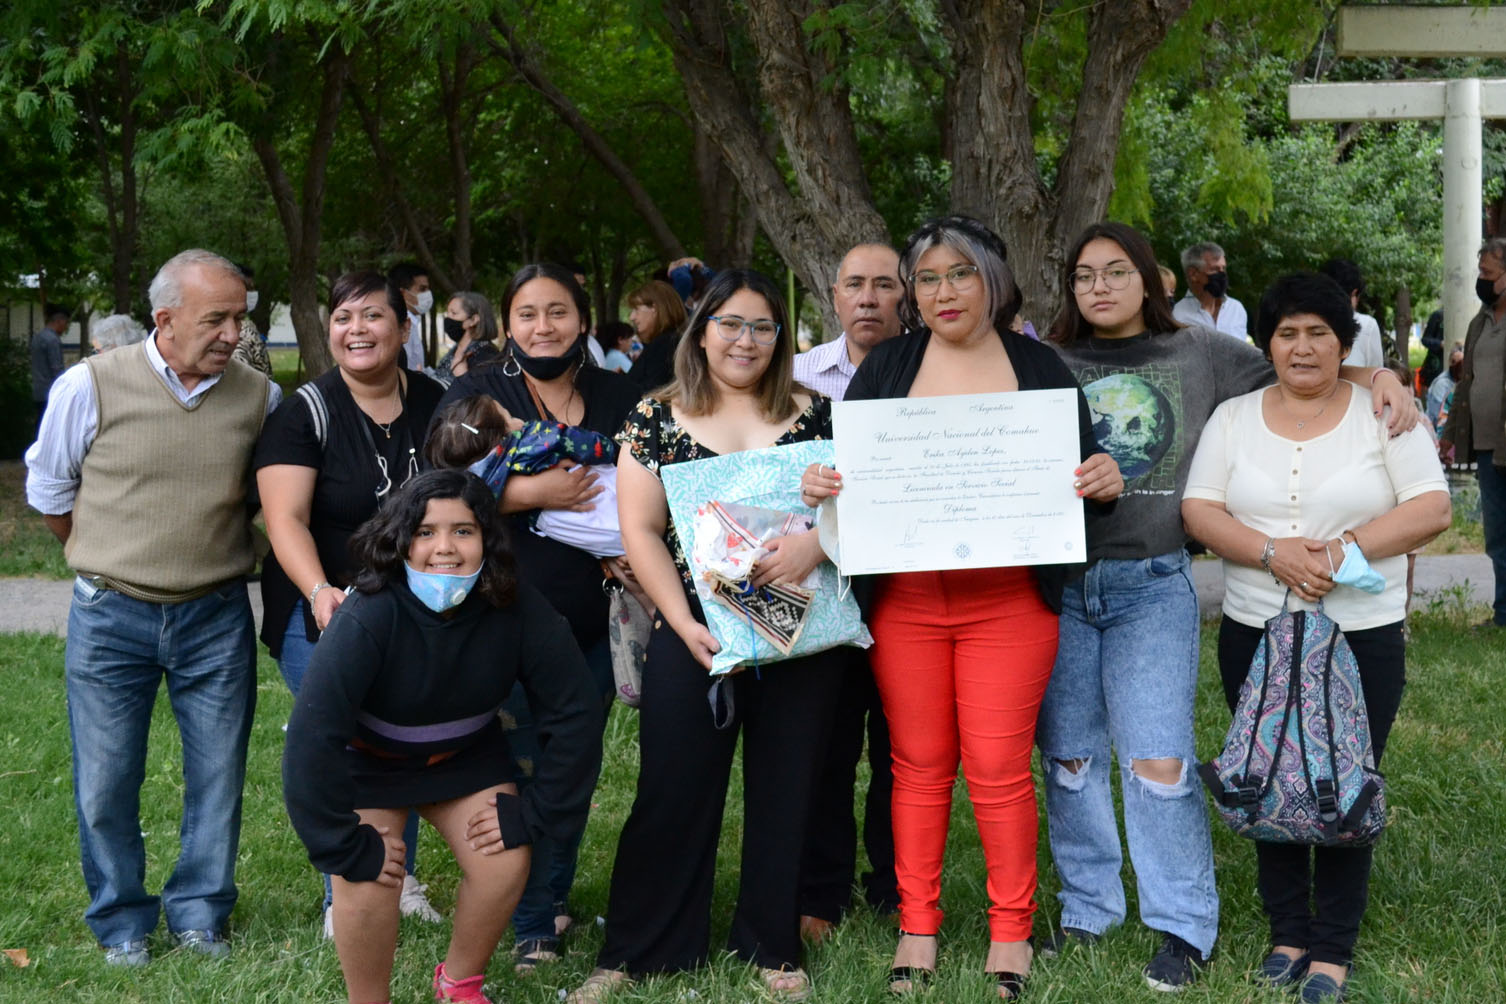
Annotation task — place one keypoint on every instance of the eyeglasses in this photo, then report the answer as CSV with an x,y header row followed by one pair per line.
x,y
731,327
961,277
1114,277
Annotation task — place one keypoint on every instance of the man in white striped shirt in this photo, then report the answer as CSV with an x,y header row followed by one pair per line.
x,y
866,295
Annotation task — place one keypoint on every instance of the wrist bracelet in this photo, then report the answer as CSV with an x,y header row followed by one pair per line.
x,y
315,591
1266,554
1377,372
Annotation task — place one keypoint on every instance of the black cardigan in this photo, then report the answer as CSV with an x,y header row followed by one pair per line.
x,y
889,371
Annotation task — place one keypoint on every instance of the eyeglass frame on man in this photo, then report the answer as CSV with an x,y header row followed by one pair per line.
x,y
960,277
743,324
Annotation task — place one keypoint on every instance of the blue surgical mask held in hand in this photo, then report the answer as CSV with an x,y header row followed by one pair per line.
x,y
1356,571
440,592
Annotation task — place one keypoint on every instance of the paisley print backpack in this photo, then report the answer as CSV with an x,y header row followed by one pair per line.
x,y
1297,765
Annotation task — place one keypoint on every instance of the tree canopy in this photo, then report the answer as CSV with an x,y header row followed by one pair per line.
x,y
306,137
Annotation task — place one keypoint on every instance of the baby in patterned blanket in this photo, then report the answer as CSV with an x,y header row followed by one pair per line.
x,y
478,434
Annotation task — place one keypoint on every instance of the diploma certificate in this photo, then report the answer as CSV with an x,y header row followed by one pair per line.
x,y
972,481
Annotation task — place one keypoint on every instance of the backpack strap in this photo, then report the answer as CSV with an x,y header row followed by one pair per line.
x,y
1356,813
1325,789
318,411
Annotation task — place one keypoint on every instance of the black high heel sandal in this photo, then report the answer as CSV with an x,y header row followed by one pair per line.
x,y
907,979
1011,985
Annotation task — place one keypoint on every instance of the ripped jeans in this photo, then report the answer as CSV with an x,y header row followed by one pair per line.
x,y
1126,675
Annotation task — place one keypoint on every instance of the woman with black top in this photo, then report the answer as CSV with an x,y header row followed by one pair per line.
x,y
962,657
545,373
734,390
399,711
326,459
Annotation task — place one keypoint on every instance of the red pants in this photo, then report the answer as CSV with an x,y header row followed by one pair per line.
x,y
962,659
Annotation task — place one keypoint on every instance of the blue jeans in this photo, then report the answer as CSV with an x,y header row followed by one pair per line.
x,y
1493,516
1126,676
297,650
119,650
552,866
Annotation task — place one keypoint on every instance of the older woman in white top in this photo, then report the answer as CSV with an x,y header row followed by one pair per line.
x,y
1288,484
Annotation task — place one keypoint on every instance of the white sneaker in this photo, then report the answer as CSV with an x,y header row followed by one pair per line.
x,y
329,923
414,903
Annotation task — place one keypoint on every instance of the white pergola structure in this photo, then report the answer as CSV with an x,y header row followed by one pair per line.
x,y
1396,30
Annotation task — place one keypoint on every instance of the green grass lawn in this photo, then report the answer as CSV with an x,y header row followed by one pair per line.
x,y
1434,931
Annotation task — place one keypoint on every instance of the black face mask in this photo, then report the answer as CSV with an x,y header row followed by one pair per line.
x,y
547,367
453,330
1217,285
1485,289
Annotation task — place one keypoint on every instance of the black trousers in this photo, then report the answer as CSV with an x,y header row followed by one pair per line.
x,y
659,908
1335,879
830,862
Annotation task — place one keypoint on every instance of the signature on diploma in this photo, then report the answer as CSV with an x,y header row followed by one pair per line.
x,y
912,534
1025,536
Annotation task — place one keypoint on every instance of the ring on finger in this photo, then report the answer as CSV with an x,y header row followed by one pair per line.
x,y
1306,588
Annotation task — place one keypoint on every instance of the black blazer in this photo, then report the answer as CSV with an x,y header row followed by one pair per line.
x,y
889,371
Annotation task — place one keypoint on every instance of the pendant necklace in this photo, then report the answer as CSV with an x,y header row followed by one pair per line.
x,y
1303,423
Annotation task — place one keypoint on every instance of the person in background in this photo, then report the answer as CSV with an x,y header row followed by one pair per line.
x,y
866,295
617,339
114,332
399,713
412,279
470,326
252,348
327,460
658,314
160,595
47,358
1208,301
1476,428
593,347
1168,283
1432,340
1440,398
1368,349
1355,501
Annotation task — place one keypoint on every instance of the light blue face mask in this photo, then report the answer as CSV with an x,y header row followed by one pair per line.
x,y
1356,571
440,592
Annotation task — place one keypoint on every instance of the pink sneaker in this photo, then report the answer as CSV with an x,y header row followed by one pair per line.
x,y
467,991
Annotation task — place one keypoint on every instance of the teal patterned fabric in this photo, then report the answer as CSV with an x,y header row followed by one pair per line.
x,y
770,479
1297,765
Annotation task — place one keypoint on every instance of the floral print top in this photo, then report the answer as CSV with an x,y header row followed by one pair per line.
x,y
655,439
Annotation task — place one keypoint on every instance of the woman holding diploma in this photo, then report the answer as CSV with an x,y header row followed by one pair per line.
x,y
1126,664
962,657
734,390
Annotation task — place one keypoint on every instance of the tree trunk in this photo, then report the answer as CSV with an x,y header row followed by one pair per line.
x,y
506,44
1403,327
372,126
452,103
990,144
833,210
301,213
121,204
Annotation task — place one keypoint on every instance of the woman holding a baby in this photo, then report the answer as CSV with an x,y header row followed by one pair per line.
x,y
545,380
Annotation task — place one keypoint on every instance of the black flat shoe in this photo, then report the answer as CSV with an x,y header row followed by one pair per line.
x,y
1011,985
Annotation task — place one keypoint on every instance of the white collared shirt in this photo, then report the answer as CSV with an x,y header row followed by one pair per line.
x,y
827,368
71,422
414,347
1232,319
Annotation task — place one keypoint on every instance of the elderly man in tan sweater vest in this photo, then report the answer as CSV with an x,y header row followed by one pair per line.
x,y
141,469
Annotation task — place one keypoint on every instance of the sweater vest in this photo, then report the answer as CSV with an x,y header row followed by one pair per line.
x,y
161,511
